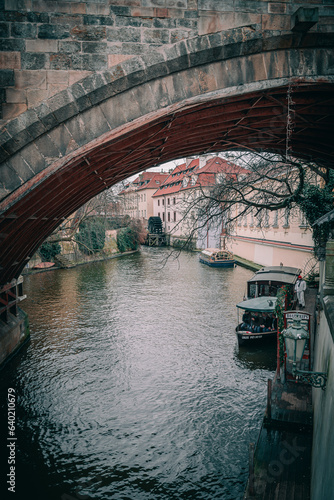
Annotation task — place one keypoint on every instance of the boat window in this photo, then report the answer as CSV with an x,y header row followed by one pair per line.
x,y
252,290
264,290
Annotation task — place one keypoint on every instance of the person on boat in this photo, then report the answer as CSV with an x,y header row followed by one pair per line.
x,y
273,320
246,321
255,322
300,288
266,322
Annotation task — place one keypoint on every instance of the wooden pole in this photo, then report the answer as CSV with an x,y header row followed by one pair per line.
x,y
251,490
269,388
278,354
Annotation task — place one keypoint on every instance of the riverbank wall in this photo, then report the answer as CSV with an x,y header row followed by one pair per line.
x,y
322,480
74,262
248,264
13,335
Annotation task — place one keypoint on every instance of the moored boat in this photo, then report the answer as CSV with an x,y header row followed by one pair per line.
x,y
259,323
214,257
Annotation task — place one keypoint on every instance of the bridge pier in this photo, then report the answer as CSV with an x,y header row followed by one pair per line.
x,y
14,327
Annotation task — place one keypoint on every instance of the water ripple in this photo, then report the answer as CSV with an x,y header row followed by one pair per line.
x,y
132,386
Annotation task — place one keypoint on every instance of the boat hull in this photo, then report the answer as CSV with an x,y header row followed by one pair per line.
x,y
223,263
254,338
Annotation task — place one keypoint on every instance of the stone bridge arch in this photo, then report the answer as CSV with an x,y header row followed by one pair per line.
x,y
219,91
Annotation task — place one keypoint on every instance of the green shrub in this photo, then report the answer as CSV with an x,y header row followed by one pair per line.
x,y
91,236
48,251
127,239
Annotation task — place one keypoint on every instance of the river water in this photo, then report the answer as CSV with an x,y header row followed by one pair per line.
x,y
132,385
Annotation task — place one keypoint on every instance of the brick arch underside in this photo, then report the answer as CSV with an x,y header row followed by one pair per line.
x,y
199,110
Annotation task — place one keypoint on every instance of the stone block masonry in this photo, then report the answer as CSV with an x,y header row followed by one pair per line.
x,y
12,336
40,37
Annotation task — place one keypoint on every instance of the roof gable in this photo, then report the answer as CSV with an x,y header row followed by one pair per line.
x,y
193,174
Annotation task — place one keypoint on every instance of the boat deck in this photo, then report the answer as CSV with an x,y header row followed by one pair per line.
x,y
280,468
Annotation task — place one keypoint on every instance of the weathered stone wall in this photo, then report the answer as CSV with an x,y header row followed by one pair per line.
x,y
322,484
47,46
13,335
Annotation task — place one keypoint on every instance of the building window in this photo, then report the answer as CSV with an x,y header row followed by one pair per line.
x,y
266,219
194,179
275,220
158,214
251,219
174,215
168,216
286,218
163,216
163,201
174,201
240,215
303,221
168,201
158,203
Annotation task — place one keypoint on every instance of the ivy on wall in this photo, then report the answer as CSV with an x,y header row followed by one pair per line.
x,y
91,235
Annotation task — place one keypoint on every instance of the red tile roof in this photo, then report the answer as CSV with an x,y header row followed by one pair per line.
x,y
198,175
151,180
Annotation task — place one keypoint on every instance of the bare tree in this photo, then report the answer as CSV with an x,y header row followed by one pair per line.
x,y
267,183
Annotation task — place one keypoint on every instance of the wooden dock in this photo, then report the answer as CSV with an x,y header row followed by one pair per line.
x,y
280,465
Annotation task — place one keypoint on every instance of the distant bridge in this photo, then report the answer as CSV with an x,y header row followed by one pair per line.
x,y
96,92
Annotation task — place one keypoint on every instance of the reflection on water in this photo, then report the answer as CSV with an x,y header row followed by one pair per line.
x,y
257,358
132,386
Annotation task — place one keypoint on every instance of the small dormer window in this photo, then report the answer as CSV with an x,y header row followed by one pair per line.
x,y
194,179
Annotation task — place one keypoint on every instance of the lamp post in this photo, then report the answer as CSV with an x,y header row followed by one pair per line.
x,y
295,337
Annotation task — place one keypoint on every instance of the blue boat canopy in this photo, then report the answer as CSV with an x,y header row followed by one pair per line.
x,y
217,253
260,304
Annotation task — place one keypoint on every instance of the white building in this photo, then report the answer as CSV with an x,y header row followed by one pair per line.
x,y
129,200
137,195
174,197
148,182
277,237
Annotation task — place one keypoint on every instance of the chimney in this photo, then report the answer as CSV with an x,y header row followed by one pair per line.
x,y
204,159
